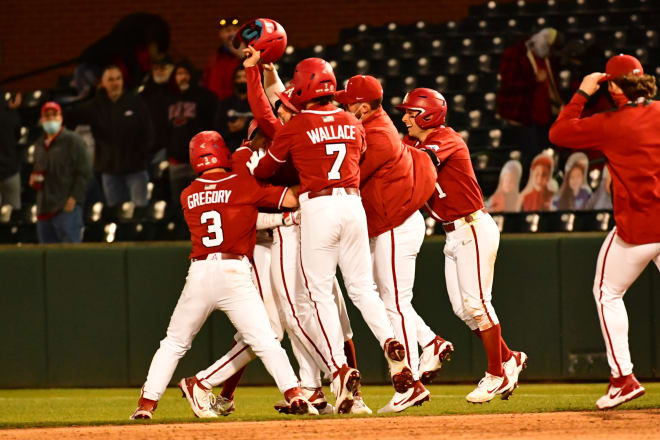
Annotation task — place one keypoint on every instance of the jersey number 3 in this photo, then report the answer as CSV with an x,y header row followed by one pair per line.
x,y
340,149
215,237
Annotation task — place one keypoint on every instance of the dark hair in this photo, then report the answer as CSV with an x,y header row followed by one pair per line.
x,y
112,67
566,196
376,103
635,86
322,100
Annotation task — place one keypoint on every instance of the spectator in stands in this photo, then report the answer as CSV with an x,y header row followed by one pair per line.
x,y
62,172
574,191
601,199
190,109
10,154
155,92
506,197
233,114
538,193
124,135
218,75
528,97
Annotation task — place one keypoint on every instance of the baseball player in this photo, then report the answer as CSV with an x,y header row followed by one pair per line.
x,y
220,209
325,145
629,137
395,182
285,273
472,238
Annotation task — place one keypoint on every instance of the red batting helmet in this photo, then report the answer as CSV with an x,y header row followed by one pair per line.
x,y
431,105
208,150
312,78
285,98
265,35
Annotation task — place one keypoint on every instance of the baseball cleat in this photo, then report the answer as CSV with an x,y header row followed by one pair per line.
x,y
199,397
436,353
415,396
222,406
512,368
359,407
620,390
400,371
345,383
489,386
145,409
318,400
298,403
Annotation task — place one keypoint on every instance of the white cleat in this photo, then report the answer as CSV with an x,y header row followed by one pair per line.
x,y
345,383
489,386
620,390
200,398
400,371
512,368
359,407
415,396
318,400
434,355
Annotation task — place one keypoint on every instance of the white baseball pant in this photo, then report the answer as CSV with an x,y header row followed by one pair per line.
x,y
289,289
218,285
394,254
470,253
618,266
333,232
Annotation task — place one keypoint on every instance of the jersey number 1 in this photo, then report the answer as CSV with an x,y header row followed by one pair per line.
x,y
340,149
215,237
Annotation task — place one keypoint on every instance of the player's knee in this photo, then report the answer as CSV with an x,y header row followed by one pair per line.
x,y
176,346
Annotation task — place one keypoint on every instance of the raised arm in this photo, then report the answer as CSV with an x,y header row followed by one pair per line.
x,y
257,98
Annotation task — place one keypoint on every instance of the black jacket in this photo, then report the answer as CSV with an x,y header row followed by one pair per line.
x,y
122,130
10,154
67,170
228,110
156,97
189,113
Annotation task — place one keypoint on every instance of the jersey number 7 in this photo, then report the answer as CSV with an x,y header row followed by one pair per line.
x,y
340,149
215,237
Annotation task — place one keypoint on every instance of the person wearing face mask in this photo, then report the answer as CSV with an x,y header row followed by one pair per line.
x,y
155,92
233,114
62,172
528,98
190,110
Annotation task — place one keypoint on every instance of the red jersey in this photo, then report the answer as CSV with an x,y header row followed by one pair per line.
x,y
395,180
221,212
457,192
629,137
325,145
219,74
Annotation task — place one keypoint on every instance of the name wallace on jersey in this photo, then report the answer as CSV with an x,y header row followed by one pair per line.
x,y
331,133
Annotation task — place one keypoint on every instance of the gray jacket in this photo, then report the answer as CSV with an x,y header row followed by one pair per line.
x,y
67,169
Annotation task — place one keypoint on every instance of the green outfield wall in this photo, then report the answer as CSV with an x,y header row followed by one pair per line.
x,y
93,315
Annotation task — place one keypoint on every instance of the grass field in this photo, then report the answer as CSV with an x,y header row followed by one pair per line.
x,y
66,407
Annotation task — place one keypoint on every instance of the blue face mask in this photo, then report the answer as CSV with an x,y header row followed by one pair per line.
x,y
51,127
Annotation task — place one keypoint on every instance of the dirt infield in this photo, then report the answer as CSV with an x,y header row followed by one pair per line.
x,y
640,424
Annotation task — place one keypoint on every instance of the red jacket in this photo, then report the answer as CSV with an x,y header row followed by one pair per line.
x,y
219,74
629,137
395,180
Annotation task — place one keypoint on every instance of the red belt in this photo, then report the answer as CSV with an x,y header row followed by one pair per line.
x,y
221,255
450,226
329,192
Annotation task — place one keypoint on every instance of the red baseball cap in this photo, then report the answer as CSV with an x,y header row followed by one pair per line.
x,y
51,105
620,65
360,88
